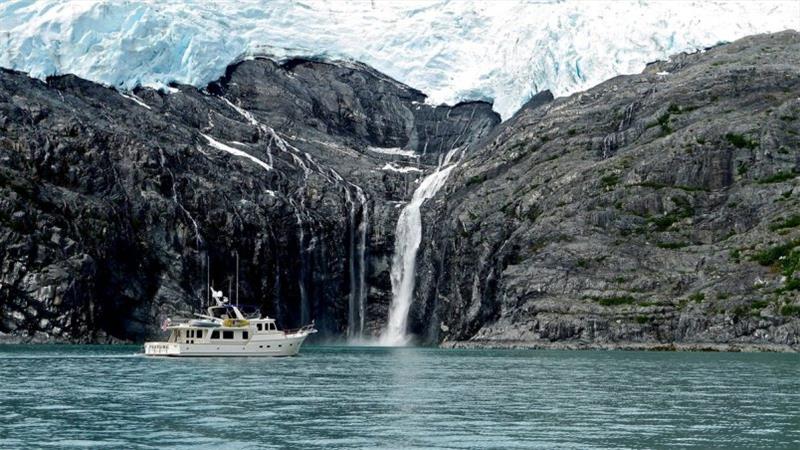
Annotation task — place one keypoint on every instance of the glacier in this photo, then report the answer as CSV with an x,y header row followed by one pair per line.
x,y
451,50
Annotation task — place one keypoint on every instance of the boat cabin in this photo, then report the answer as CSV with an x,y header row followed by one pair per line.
x,y
228,330
238,331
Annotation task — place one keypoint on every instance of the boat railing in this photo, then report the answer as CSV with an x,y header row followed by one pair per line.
x,y
181,320
188,321
170,322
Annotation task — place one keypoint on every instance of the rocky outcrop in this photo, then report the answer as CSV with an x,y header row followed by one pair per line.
x,y
657,210
654,210
111,204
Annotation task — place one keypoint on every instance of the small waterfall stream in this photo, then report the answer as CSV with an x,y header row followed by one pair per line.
x,y
408,235
357,265
303,275
307,241
363,228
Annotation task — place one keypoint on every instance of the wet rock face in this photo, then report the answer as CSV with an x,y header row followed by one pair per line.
x,y
654,208
111,205
354,103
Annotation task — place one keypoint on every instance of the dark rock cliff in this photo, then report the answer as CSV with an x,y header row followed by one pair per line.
x,y
652,210
111,204
657,210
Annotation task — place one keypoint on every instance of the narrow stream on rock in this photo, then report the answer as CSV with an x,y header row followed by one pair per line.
x,y
357,228
357,265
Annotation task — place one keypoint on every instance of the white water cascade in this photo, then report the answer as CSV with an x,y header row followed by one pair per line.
x,y
362,272
408,235
357,266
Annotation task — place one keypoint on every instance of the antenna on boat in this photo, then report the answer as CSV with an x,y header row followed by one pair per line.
x,y
237,278
208,279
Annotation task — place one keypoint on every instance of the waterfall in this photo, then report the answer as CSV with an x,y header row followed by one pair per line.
x,y
408,235
351,260
276,291
362,258
357,265
301,279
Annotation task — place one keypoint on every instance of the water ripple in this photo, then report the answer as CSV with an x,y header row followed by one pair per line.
x,y
345,397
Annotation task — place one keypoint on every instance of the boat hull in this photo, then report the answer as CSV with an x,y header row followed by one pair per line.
x,y
288,345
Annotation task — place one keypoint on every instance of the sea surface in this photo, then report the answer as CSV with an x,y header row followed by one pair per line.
x,y
371,397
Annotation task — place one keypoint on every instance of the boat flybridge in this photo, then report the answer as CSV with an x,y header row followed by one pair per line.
x,y
228,330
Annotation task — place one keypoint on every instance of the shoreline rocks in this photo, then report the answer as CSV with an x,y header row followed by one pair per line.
x,y
622,346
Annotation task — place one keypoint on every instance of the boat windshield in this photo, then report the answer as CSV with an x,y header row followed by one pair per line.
x,y
227,311
223,312
249,311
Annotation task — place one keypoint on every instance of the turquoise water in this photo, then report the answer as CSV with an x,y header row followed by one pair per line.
x,y
345,397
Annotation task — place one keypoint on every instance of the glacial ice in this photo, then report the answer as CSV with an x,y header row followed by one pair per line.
x,y
451,50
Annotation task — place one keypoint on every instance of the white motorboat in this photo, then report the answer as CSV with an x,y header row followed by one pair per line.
x,y
228,330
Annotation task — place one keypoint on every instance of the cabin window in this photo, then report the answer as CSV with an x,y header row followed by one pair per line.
x,y
227,335
258,327
215,334
199,334
191,333
245,334
272,326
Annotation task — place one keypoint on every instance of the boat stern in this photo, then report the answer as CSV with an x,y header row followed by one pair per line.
x,y
162,349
